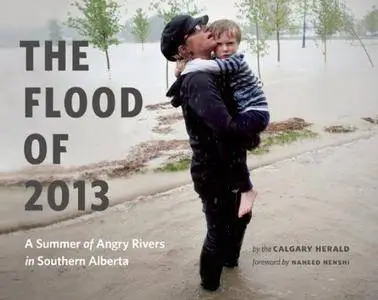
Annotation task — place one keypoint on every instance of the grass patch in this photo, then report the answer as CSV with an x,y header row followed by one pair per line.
x,y
262,149
180,165
282,138
268,140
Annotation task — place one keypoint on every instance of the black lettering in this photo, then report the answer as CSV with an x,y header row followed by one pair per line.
x,y
29,45
101,195
57,147
29,101
110,104
50,112
50,54
28,149
80,186
51,199
68,105
125,103
30,204
76,55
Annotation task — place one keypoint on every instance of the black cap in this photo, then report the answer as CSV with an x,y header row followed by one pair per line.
x,y
174,33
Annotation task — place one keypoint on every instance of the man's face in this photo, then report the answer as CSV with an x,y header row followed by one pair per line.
x,y
200,40
226,45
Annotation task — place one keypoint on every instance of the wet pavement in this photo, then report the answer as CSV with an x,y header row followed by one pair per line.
x,y
320,198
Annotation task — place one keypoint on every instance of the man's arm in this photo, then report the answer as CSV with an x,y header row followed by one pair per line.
x,y
239,168
206,101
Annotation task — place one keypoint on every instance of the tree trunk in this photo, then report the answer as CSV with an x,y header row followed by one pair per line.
x,y
142,46
278,46
304,25
258,64
325,50
107,59
277,31
258,49
166,74
362,45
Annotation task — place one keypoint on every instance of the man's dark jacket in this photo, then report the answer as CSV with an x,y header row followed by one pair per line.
x,y
218,160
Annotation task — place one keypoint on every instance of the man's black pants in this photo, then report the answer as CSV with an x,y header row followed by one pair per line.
x,y
224,238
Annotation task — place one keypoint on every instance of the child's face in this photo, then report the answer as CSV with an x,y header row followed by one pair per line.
x,y
226,45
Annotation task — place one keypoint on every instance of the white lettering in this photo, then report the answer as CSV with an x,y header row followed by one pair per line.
x,y
140,244
60,261
41,244
113,245
102,261
29,244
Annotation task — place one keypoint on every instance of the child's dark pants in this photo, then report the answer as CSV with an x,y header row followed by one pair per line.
x,y
256,122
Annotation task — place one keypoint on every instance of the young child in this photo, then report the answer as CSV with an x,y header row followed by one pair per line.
x,y
246,86
247,90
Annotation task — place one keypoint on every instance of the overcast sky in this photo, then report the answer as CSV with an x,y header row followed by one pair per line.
x,y
25,13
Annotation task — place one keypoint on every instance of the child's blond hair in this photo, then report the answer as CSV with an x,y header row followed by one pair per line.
x,y
227,26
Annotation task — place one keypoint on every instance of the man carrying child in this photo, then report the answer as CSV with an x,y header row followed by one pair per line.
x,y
220,129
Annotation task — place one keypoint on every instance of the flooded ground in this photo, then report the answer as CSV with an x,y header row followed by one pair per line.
x,y
319,198
310,195
301,85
